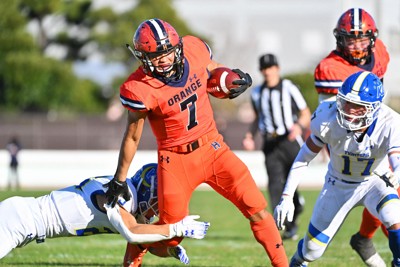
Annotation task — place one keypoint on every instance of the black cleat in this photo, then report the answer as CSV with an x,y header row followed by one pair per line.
x,y
366,249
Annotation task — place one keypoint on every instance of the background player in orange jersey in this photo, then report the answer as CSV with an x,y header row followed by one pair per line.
x,y
358,48
170,89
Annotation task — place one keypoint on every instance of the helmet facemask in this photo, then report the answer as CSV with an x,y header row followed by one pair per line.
x,y
148,211
176,69
355,57
363,115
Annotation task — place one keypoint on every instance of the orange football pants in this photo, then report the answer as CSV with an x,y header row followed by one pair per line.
x,y
179,174
213,163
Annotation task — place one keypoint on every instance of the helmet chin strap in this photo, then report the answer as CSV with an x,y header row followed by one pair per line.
x,y
166,73
165,76
356,126
169,76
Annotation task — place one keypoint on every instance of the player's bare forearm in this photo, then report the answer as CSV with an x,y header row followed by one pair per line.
x,y
130,143
134,227
126,154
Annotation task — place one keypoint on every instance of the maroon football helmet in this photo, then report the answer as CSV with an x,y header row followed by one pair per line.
x,y
155,37
355,24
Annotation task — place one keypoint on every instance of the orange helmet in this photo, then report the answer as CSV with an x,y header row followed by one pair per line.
x,y
355,23
155,37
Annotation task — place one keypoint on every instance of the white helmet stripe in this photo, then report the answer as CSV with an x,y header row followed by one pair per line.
x,y
360,79
357,19
162,37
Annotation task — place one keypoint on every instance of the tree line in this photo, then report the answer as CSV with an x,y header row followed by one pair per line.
x,y
32,79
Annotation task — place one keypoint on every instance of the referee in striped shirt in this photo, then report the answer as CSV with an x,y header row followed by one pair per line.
x,y
282,116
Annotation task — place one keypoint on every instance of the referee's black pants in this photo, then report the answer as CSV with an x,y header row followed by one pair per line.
x,y
279,155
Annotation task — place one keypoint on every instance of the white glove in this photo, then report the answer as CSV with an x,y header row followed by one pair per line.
x,y
189,227
284,210
390,178
393,179
179,253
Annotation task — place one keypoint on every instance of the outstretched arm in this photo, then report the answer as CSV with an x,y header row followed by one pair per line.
x,y
306,154
136,233
130,142
285,208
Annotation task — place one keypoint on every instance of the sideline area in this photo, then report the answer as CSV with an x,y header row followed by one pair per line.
x,y
53,169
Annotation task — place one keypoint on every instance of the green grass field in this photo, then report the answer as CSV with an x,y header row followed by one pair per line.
x,y
229,241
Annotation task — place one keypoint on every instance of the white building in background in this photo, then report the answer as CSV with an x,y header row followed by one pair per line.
x,y
298,32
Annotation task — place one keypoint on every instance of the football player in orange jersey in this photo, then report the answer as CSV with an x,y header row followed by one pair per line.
x,y
357,48
170,89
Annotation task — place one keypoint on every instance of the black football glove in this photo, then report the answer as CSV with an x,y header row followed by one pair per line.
x,y
116,189
244,83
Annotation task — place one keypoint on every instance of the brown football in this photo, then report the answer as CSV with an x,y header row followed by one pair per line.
x,y
220,82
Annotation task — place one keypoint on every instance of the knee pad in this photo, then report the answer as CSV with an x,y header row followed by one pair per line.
x,y
312,251
314,248
314,244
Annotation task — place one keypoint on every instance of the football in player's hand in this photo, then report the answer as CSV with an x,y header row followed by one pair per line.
x,y
220,82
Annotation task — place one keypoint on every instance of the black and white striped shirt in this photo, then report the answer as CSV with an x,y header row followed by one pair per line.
x,y
277,108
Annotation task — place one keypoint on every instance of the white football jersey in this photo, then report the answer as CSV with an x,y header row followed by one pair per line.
x,y
356,161
74,210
